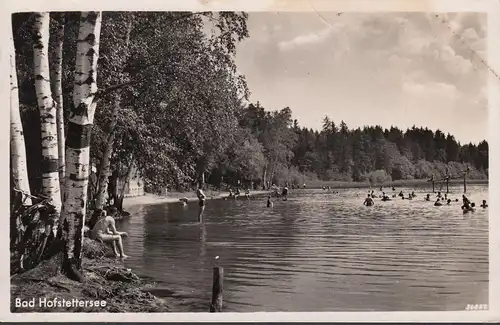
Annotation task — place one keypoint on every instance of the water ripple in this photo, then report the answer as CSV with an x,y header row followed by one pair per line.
x,y
318,251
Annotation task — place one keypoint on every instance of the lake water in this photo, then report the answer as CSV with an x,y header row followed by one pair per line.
x,y
318,251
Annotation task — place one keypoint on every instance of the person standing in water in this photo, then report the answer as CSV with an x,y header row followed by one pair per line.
x,y
269,202
201,202
484,205
105,231
285,193
368,201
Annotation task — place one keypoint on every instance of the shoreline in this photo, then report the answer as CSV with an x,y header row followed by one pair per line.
x,y
173,197
398,183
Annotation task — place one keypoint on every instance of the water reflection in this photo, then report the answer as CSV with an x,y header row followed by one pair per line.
x,y
317,251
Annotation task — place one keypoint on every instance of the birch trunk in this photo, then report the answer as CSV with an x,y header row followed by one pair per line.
x,y
106,159
78,140
47,107
56,79
17,146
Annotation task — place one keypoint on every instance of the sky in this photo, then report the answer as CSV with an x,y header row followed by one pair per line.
x,y
400,69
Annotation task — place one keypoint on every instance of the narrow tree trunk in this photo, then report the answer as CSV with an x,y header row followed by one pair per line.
x,y
105,163
106,159
17,146
56,79
47,107
264,176
78,140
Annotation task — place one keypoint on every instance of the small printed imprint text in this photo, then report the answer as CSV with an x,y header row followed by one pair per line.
x,y
476,307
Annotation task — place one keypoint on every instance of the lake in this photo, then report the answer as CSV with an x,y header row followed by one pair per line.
x,y
318,251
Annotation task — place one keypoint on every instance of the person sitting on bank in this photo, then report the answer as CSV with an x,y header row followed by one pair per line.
x,y
438,203
105,231
269,202
368,201
484,205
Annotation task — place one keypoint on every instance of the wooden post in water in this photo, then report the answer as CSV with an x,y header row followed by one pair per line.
x,y
447,184
433,186
465,182
217,290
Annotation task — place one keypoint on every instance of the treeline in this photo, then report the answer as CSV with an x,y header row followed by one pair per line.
x,y
271,147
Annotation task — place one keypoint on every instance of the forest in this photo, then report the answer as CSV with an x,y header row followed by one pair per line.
x,y
161,92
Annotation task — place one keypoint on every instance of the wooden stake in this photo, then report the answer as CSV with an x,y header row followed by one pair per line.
x,y
217,290
465,182
433,186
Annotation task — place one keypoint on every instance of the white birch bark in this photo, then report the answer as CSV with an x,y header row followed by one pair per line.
x,y
17,145
78,137
47,107
56,79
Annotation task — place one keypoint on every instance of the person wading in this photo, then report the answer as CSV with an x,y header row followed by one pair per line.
x,y
201,202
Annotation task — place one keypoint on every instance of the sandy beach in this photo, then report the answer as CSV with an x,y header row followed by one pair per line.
x,y
173,197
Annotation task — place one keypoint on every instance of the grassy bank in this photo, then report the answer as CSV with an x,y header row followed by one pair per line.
x,y
398,183
106,279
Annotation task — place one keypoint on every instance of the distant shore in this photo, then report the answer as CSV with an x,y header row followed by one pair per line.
x,y
398,183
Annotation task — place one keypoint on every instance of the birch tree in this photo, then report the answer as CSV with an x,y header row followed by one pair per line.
x,y
17,146
47,107
56,79
78,139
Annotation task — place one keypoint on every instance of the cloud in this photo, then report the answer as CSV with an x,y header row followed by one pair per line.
x,y
430,89
306,39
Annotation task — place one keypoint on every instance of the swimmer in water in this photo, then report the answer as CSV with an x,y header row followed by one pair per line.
x,y
393,188
201,202
439,195
401,194
448,202
285,193
413,194
269,202
438,203
105,231
247,193
428,197
183,201
385,197
368,201
484,205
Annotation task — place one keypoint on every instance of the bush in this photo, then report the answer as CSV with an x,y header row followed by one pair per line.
x,y
378,177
